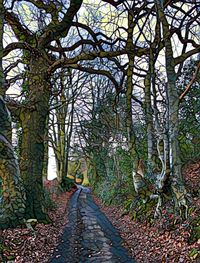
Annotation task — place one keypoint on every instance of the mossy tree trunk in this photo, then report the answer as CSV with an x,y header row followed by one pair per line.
x,y
33,119
177,182
12,201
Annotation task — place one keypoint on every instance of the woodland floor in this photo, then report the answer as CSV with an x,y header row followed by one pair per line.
x,y
149,242
161,241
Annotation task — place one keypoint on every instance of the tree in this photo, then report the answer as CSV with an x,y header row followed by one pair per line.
x,y
34,111
189,106
12,202
177,184
62,119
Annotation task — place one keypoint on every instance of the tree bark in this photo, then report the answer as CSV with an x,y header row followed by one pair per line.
x,y
12,201
33,119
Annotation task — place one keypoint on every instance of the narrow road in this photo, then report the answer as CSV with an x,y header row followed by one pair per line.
x,y
89,236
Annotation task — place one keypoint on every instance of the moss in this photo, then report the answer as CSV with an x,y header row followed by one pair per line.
x,y
67,184
194,253
195,233
141,210
49,204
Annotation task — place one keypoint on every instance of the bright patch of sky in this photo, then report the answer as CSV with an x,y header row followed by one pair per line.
x,y
51,165
104,17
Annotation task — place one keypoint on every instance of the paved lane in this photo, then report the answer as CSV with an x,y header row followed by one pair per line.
x,y
89,236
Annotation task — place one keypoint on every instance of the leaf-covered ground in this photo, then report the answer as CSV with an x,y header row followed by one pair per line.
x,y
158,241
22,245
161,241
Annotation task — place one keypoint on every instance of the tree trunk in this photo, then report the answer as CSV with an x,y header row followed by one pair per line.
x,y
46,152
129,91
61,119
59,140
149,81
137,180
62,129
12,201
33,118
177,182
69,133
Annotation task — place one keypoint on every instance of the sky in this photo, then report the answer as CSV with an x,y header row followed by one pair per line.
x,y
51,165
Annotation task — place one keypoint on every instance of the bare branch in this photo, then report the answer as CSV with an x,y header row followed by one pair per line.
x,y
57,30
12,66
50,8
18,45
21,32
84,56
98,72
114,3
194,77
186,55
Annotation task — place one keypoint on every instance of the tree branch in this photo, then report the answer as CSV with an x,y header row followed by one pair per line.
x,y
56,30
186,41
114,3
98,72
186,55
12,66
194,77
84,56
50,8
73,47
22,33
18,45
